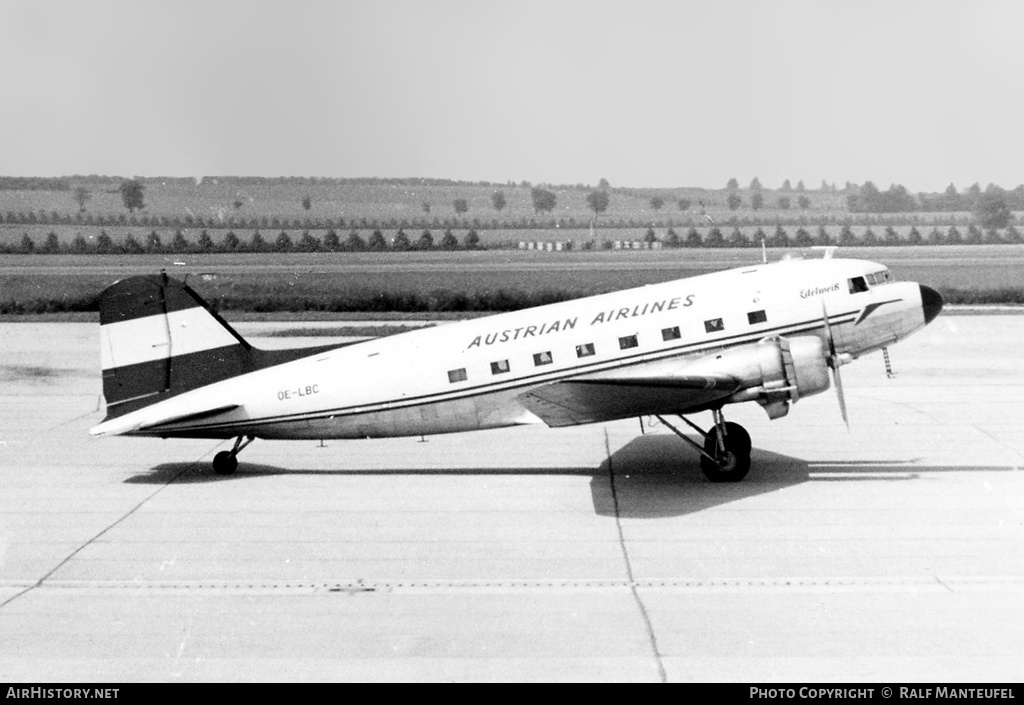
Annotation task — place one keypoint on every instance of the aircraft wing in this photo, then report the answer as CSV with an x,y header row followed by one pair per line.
x,y
589,399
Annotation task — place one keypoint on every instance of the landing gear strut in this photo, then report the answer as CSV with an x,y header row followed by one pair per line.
x,y
725,456
225,462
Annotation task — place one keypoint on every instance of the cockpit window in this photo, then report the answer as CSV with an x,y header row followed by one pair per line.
x,y
857,284
882,277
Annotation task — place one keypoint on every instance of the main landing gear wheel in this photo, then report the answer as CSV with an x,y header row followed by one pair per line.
x,y
726,459
226,461
725,456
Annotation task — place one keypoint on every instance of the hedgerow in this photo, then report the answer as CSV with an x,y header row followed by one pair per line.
x,y
436,301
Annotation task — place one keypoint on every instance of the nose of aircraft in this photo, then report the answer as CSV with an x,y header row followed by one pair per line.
x,y
931,303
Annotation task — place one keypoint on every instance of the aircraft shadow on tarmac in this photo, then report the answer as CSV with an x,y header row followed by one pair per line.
x,y
651,476
659,476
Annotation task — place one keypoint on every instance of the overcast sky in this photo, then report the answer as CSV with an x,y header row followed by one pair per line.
x,y
641,92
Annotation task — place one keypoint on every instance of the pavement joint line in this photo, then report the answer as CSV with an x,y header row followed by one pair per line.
x,y
984,432
662,673
77,418
895,402
40,582
946,583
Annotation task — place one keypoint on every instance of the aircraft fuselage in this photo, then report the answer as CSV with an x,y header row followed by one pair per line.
x,y
471,375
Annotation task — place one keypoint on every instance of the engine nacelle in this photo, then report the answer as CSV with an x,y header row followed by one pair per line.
x,y
775,372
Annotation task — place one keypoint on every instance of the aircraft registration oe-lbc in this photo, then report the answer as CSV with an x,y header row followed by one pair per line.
x,y
766,333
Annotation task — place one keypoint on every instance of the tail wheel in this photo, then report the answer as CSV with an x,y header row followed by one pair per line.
x,y
225,462
732,458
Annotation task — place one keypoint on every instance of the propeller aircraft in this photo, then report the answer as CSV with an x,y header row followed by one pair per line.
x,y
771,334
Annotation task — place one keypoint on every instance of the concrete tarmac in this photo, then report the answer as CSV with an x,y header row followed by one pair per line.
x,y
891,552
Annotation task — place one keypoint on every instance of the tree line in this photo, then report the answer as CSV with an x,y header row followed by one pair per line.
x,y
780,237
179,243
992,207
143,220
33,183
377,241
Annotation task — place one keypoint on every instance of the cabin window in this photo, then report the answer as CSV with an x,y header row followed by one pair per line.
x,y
627,341
458,375
543,358
757,317
499,367
670,333
585,350
857,285
714,325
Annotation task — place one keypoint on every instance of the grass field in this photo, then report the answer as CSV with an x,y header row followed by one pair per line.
x,y
243,205
382,201
460,281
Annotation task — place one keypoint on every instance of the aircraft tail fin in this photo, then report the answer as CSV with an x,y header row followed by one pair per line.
x,y
159,339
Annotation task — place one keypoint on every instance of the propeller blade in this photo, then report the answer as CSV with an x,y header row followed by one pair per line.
x,y
839,395
828,336
834,361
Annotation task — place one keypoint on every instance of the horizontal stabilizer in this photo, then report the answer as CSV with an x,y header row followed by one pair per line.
x,y
145,420
183,418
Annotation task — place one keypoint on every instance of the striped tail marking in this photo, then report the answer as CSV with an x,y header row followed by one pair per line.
x,y
159,339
